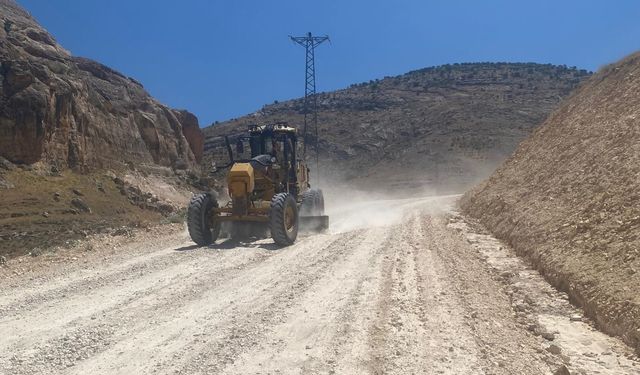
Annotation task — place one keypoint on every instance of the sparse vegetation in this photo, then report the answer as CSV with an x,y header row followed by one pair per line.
x,y
369,126
177,217
23,226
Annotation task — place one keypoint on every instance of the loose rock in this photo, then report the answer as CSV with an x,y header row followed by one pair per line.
x,y
6,164
80,205
554,349
562,370
4,184
576,318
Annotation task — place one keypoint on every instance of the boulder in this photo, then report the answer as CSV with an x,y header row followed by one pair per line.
x,y
80,205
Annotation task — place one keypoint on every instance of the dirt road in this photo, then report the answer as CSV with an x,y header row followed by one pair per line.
x,y
408,290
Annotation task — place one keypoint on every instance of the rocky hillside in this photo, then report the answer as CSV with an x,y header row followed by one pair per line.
x,y
83,148
74,112
442,128
569,198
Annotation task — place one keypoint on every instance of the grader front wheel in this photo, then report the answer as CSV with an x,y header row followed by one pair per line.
x,y
202,226
283,219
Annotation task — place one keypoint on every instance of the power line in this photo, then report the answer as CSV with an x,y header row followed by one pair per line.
x,y
310,42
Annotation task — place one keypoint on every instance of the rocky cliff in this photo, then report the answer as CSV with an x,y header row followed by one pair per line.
x,y
440,128
63,121
74,112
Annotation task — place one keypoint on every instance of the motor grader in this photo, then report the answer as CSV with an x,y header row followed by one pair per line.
x,y
269,190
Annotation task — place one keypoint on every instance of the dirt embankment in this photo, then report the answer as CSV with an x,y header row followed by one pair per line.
x,y
41,208
568,199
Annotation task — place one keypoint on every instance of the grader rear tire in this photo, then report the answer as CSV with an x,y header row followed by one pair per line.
x,y
308,203
199,220
312,203
320,202
283,219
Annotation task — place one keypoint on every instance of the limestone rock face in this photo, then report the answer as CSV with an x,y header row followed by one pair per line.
x,y
192,132
77,113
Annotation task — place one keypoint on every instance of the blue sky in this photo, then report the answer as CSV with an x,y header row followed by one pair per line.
x,y
223,59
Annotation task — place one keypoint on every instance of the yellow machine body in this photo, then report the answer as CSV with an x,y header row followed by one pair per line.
x,y
269,190
252,185
241,180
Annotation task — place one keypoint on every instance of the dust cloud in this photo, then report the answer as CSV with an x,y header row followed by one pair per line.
x,y
351,209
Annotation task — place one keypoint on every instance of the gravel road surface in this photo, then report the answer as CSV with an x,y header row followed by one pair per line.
x,y
395,287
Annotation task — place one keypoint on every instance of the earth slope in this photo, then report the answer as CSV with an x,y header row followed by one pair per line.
x,y
446,127
568,198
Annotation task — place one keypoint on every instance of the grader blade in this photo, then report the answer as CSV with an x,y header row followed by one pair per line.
x,y
314,223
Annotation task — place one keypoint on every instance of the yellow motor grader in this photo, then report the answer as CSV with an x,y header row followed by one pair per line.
x,y
269,190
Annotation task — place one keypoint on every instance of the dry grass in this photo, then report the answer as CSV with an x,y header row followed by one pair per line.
x,y
32,216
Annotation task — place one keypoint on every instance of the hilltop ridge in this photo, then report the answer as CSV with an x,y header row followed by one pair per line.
x,y
452,123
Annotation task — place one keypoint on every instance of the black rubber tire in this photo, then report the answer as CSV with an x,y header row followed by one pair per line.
x,y
200,230
308,204
312,203
279,204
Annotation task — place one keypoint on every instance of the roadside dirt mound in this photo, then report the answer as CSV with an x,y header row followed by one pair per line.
x,y
569,198
448,127
41,209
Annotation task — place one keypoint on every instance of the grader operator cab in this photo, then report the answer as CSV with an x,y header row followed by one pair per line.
x,y
269,190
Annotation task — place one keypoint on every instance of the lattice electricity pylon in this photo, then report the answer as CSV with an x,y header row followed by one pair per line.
x,y
310,42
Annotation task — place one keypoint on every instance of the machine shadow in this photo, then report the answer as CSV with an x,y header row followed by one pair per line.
x,y
186,248
230,244
251,243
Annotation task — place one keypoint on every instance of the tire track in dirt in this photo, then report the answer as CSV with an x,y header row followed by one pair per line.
x,y
270,308
418,326
477,306
141,306
42,290
307,341
216,314
449,342
89,329
349,350
379,331
428,319
72,303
